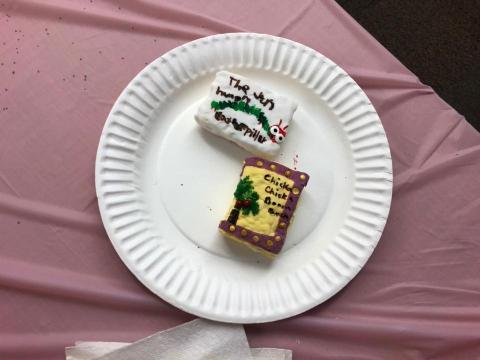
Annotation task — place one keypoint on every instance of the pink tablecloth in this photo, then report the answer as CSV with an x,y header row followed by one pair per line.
x,y
63,63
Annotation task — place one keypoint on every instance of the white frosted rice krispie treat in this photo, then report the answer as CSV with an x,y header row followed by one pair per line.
x,y
239,110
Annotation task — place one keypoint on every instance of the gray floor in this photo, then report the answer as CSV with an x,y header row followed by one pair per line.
x,y
438,40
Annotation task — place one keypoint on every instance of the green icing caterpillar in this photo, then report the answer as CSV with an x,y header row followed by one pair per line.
x,y
244,107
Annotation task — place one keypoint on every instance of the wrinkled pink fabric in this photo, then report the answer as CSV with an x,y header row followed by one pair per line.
x,y
63,64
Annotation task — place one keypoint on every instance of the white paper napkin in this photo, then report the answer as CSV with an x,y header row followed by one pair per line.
x,y
199,339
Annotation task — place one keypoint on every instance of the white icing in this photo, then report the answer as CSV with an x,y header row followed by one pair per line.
x,y
253,137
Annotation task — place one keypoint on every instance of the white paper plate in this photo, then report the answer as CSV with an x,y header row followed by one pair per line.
x,y
163,184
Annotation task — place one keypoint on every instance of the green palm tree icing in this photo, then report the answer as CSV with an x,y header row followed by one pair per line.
x,y
245,193
246,200
244,107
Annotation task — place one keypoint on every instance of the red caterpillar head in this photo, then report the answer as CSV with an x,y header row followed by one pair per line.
x,y
277,132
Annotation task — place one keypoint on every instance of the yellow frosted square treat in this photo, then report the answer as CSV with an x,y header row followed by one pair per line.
x,y
263,206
